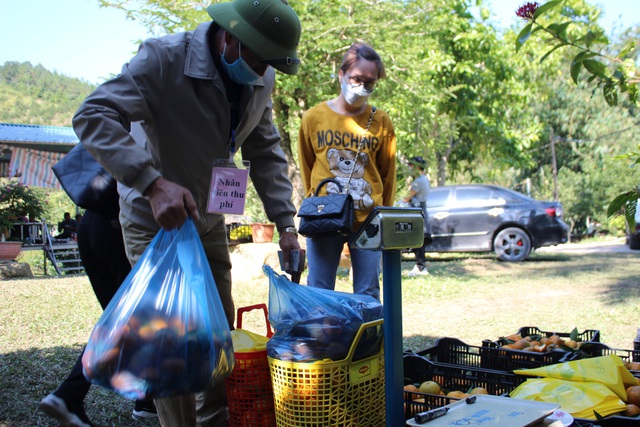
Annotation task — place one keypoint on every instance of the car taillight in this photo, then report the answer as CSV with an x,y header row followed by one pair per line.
x,y
555,211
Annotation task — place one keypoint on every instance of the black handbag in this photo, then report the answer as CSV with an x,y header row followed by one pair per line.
x,y
86,182
330,215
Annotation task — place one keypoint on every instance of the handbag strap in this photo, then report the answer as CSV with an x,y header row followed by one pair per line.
x,y
355,160
326,181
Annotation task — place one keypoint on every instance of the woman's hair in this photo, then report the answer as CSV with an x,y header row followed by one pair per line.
x,y
364,51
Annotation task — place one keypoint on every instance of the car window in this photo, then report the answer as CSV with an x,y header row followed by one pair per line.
x,y
476,197
438,198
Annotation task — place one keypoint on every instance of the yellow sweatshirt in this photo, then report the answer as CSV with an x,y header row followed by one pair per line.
x,y
328,143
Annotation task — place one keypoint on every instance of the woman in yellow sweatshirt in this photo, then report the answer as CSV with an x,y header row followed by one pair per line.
x,y
334,143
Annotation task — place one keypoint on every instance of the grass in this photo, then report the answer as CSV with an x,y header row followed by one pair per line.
x,y
45,321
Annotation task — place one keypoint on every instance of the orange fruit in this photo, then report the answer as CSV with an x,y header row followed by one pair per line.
x,y
571,344
633,366
520,344
479,390
633,395
157,324
429,387
631,411
411,389
514,337
456,394
555,339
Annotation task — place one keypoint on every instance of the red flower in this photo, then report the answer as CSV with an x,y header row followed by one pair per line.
x,y
527,10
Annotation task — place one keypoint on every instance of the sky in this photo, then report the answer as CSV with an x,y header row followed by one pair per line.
x,y
79,39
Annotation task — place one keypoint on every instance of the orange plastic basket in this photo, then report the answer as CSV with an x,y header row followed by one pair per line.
x,y
249,389
345,393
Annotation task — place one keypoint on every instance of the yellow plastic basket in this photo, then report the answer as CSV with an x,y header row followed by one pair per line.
x,y
345,393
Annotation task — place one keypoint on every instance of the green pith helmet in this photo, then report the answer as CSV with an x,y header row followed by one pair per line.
x,y
270,28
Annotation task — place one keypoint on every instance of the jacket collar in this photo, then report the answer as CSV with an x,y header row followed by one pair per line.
x,y
199,63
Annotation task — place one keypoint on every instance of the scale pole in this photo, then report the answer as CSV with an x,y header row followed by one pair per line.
x,y
394,372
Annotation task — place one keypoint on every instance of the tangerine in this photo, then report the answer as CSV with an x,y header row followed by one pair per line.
x,y
631,411
514,337
633,395
556,340
456,394
520,344
411,389
478,390
571,344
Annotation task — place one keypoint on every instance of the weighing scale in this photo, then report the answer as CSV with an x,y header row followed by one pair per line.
x,y
391,229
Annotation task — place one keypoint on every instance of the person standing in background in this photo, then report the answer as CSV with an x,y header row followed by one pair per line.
x,y
105,261
334,143
417,197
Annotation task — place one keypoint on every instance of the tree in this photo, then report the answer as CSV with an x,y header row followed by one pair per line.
x,y
613,72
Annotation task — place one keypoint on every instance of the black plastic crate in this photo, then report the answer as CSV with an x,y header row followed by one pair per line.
x,y
418,369
595,349
586,335
415,403
494,356
453,351
613,421
489,356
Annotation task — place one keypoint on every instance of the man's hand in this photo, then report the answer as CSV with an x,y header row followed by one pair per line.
x,y
288,242
171,203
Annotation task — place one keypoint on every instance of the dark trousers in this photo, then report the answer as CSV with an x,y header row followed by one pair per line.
x,y
420,252
104,259
420,256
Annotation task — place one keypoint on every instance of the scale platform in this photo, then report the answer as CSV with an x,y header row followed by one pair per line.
x,y
491,411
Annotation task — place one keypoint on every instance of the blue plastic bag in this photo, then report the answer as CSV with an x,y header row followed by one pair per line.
x,y
317,324
165,332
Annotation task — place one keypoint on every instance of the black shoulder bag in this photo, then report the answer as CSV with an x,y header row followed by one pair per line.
x,y
86,182
330,215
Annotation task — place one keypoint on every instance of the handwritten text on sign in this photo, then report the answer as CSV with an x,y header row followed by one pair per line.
x,y
228,191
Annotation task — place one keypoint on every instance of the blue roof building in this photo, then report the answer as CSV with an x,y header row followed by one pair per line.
x,y
46,138
28,152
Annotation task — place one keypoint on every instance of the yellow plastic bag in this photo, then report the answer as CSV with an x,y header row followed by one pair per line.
x,y
247,342
580,399
607,370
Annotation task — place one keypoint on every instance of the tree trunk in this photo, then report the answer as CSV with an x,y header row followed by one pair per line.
x,y
282,113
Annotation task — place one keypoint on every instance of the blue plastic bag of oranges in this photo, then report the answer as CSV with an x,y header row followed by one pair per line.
x,y
164,333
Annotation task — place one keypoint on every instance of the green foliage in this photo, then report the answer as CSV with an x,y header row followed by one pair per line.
x,y
611,73
456,90
17,201
34,95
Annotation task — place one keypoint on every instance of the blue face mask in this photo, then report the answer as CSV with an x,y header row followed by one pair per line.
x,y
239,71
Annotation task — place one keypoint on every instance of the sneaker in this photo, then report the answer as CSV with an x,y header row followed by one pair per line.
x,y
56,408
144,409
418,271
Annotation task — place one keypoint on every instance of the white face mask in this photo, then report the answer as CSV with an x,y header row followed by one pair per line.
x,y
355,96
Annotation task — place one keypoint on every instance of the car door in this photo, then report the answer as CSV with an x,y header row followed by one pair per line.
x,y
437,209
472,216
476,213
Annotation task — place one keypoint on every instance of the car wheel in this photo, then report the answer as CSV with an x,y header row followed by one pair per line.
x,y
512,244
